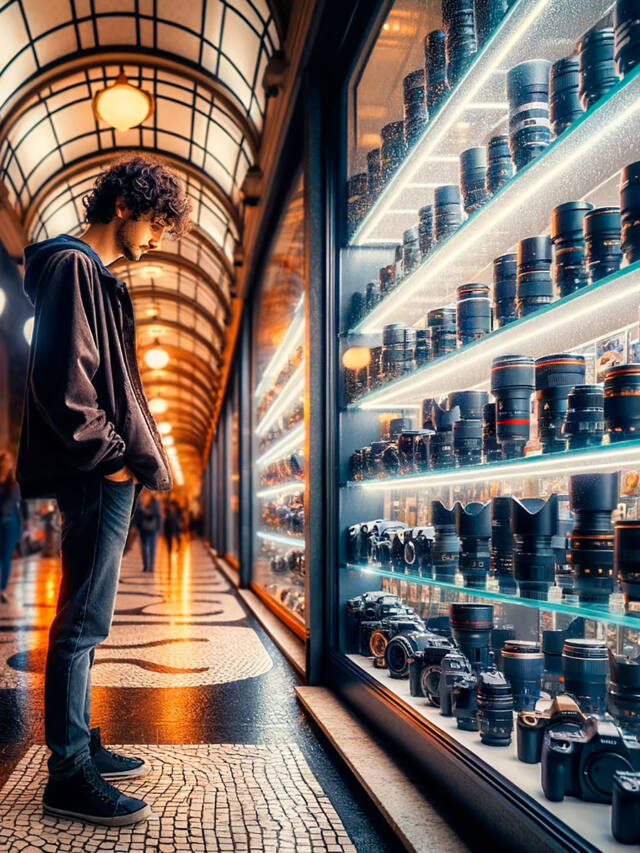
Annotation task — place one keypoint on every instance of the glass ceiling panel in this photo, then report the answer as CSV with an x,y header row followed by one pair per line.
x,y
164,277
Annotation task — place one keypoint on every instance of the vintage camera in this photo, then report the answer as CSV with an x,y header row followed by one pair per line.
x,y
358,540
563,715
625,813
373,605
454,669
419,656
375,635
384,543
581,764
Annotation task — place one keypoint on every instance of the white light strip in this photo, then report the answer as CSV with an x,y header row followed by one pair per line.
x,y
294,388
289,488
294,542
606,456
293,338
291,440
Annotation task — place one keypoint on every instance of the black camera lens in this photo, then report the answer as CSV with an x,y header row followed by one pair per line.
x,y
473,312
393,149
467,442
473,173
374,174
470,626
458,18
522,664
425,229
559,370
357,199
489,13
471,403
386,279
499,637
626,555
586,664
630,210
371,295
534,288
593,498
442,330
504,289
441,443
626,20
602,228
567,235
446,545
423,347
624,693
528,94
502,544
556,374
411,255
436,68
564,99
534,522
499,166
584,422
491,451
398,425
597,68
447,211
398,349
495,708
622,402
415,106
512,383
473,523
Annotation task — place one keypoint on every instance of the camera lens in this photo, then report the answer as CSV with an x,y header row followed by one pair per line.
x,y
415,106
564,101
504,289
436,69
421,449
371,295
393,149
522,664
567,235
534,288
358,306
499,166
423,347
470,626
460,26
624,693
534,522
555,375
467,442
512,383
528,94
490,448
473,523
495,708
448,211
411,255
489,13
622,402
626,553
374,174
398,349
584,421
502,544
386,279
473,312
626,19
552,675
585,664
446,545
593,498
425,229
473,173
602,240
357,199
559,370
441,443
427,413
597,69
630,210
499,637
471,403
442,329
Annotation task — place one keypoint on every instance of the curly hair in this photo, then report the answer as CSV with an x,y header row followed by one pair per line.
x,y
146,184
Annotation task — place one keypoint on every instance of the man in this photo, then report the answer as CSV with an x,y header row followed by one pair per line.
x,y
89,439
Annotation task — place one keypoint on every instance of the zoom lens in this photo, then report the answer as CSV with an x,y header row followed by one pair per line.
x,y
504,289
393,149
593,498
489,13
398,349
473,523
436,68
499,166
624,693
630,210
626,556
470,626
626,19
534,522
415,107
584,421
470,403
622,402
529,126
425,229
491,451
446,545
374,174
567,235
448,211
473,175
458,18
442,329
602,240
534,288
423,347
502,544
441,443
473,312
522,664
467,442
597,68
564,101
585,664
556,374
512,383
357,199
411,255
495,701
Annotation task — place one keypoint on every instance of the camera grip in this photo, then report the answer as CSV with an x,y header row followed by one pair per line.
x,y
553,773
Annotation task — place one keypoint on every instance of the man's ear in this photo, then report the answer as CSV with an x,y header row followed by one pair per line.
x,y
120,209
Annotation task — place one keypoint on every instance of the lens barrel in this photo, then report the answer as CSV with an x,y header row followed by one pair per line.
x,y
491,451
423,347
436,69
504,289
473,174
499,165
489,13
447,211
564,101
458,18
602,228
567,235
393,149
522,664
473,312
398,350
473,523
534,522
446,545
495,708
584,422
593,498
415,106
502,544
374,174
623,699
441,443
626,20
471,403
529,125
512,383
556,374
357,199
626,555
622,402
597,68
425,229
411,255
586,664
630,210
470,626
534,288
467,442
442,329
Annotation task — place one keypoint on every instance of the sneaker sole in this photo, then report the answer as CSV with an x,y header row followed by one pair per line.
x,y
135,773
118,820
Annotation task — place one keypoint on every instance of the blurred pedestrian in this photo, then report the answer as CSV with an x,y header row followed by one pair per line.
x,y
10,519
171,525
148,520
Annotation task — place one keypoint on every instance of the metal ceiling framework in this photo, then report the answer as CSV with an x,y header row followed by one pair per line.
x,y
203,63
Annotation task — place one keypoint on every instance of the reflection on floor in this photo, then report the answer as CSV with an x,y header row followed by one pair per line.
x,y
190,680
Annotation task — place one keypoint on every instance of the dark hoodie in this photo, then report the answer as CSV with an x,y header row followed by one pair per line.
x,y
85,412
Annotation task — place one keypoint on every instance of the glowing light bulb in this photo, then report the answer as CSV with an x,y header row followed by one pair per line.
x,y
122,105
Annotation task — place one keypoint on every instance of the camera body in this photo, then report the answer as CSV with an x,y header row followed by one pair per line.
x,y
563,715
454,669
417,555
375,635
625,814
373,605
358,536
424,667
465,703
581,764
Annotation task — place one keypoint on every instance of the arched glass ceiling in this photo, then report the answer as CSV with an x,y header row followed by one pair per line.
x,y
231,41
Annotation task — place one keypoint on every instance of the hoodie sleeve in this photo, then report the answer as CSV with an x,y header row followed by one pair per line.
x,y
65,358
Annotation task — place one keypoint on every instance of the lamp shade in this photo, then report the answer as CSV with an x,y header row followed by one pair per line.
x,y
122,105
156,358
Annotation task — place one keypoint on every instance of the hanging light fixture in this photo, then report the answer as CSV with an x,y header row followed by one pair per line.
x,y
164,428
123,105
158,406
156,358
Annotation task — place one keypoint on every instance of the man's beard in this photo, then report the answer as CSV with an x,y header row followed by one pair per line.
x,y
129,249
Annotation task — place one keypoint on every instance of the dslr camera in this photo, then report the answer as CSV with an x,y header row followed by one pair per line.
x,y
376,634
373,605
563,715
424,665
358,540
454,669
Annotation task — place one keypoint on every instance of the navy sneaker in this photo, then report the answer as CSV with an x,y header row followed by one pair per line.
x,y
110,764
86,796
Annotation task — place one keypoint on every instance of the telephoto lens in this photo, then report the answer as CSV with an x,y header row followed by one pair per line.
x,y
602,236
534,288
357,199
473,312
626,20
467,442
473,523
556,374
593,498
442,329
522,663
512,383
626,556
441,443
435,68
624,692
630,210
502,544
423,347
398,349
393,149
473,175
415,106
461,46
446,545
386,279
597,68
534,522
489,13
491,451
374,174
425,229
567,235
499,166
447,211
564,100
495,701
504,289
471,403
411,255
586,664
470,626
529,126
622,402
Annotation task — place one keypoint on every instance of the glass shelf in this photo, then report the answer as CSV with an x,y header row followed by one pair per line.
x,y
281,538
475,108
294,337
563,325
604,457
289,488
612,617
600,143
290,440
285,399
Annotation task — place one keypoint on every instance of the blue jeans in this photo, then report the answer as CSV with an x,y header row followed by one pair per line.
x,y
148,542
10,530
96,515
